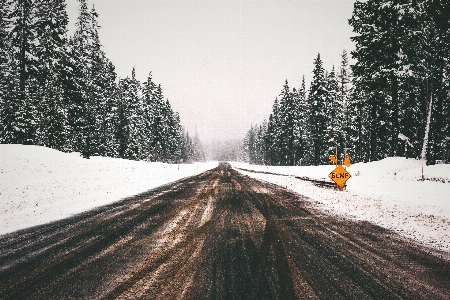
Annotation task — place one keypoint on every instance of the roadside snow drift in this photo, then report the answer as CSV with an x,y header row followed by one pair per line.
x,y
389,193
39,185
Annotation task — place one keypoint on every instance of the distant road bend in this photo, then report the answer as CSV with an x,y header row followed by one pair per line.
x,y
218,235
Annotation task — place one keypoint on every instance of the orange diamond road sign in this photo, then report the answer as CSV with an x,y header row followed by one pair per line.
x,y
340,176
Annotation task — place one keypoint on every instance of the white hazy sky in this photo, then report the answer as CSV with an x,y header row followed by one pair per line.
x,y
221,63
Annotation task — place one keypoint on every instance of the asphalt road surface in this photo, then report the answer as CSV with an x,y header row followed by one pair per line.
x,y
219,235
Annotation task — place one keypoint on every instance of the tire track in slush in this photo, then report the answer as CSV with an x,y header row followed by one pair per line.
x,y
218,235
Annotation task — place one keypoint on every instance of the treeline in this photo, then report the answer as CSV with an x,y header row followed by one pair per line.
x,y
304,124
62,92
395,100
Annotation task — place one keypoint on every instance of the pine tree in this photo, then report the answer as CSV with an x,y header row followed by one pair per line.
x,y
149,106
4,41
176,137
101,91
123,127
187,152
286,125
335,116
158,125
344,93
51,52
96,88
172,134
302,133
359,123
198,150
23,63
318,118
260,153
272,140
248,145
74,84
129,133
7,103
81,116
81,38
108,111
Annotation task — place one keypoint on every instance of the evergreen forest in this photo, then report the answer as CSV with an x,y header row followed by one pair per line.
x,y
394,101
63,92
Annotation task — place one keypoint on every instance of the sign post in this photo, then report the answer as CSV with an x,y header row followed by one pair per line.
x,y
339,175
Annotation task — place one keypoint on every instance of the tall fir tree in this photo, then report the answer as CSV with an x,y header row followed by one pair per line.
x,y
23,63
260,144
187,151
318,117
344,93
129,133
198,150
108,111
287,121
51,52
101,91
81,117
302,134
158,125
272,140
148,99
7,103
335,117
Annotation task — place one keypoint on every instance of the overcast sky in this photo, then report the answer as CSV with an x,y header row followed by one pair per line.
x,y
221,63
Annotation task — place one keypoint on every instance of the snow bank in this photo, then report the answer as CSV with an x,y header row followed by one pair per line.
x,y
39,185
389,193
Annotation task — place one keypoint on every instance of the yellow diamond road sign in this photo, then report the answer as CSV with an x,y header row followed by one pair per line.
x,y
340,176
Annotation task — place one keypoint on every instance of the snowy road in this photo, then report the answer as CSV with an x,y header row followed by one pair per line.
x,y
218,235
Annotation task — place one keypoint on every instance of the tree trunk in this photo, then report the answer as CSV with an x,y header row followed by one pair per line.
x,y
394,116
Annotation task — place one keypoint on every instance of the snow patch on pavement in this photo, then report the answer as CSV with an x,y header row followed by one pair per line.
x,y
207,213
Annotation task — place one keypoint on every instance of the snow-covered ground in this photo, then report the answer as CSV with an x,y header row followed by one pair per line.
x,y
39,185
389,193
